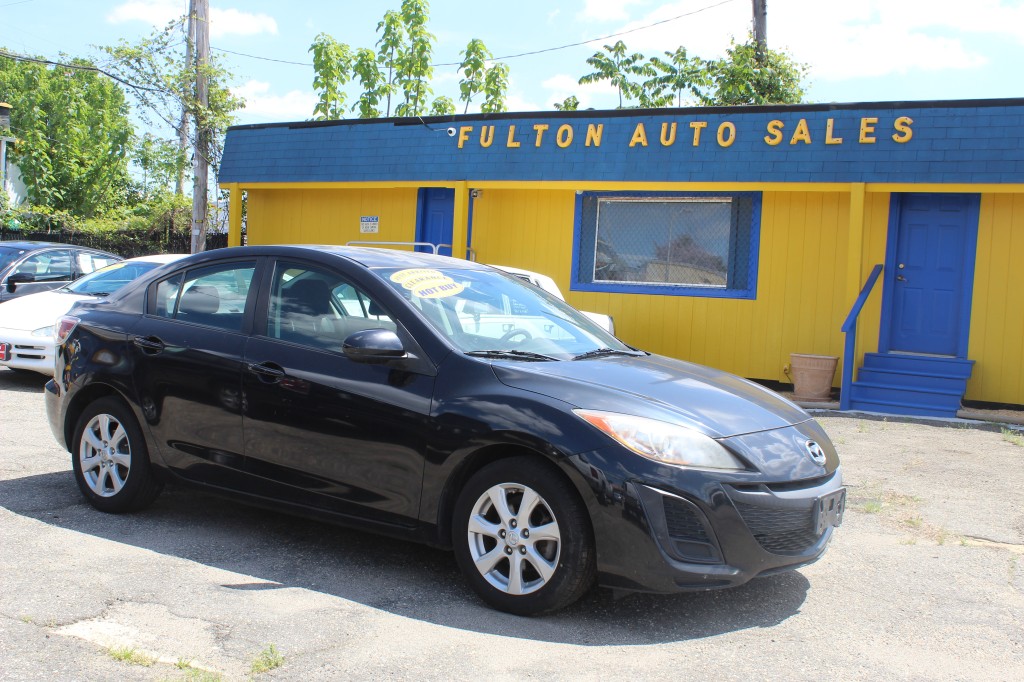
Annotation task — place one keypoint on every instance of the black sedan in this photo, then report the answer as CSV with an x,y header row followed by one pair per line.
x,y
446,402
28,267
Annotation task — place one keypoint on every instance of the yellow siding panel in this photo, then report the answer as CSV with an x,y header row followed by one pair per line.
x,y
997,323
329,216
802,262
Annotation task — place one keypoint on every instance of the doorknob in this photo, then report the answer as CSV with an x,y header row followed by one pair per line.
x,y
901,278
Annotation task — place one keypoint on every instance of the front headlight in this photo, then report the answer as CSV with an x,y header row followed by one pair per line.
x,y
661,441
43,331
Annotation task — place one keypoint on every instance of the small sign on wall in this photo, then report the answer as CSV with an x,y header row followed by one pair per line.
x,y
369,224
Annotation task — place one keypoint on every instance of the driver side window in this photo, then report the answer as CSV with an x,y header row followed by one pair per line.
x,y
316,307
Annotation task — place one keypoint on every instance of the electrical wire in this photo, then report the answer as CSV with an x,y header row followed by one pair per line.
x,y
78,67
521,54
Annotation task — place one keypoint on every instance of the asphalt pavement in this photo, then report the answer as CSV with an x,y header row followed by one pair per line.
x,y
925,580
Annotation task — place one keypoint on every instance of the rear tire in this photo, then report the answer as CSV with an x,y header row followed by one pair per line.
x,y
523,538
110,459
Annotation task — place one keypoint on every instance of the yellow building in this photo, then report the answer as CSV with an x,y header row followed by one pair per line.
x,y
730,237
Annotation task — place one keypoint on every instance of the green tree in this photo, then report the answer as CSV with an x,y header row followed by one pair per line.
x,y
371,78
332,69
73,135
570,103
618,68
164,82
389,47
495,89
741,77
474,69
680,74
414,68
159,161
442,106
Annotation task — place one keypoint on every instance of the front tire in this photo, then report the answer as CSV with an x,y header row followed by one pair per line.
x,y
523,538
110,459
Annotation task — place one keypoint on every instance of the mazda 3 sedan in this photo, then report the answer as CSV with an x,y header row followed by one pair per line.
x,y
445,402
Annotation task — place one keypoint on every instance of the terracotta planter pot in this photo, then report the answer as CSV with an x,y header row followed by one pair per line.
x,y
812,375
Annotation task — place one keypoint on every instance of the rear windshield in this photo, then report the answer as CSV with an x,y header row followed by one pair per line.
x,y
107,280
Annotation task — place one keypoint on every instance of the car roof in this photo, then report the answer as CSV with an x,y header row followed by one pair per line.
x,y
28,245
372,257
157,258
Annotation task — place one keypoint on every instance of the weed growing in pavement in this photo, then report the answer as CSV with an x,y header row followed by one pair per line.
x,y
871,506
862,427
130,655
267,660
26,619
1013,437
914,522
908,541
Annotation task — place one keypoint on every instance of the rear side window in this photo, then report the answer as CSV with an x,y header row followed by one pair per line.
x,y
214,296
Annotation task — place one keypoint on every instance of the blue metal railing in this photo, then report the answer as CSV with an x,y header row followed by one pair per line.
x,y
850,329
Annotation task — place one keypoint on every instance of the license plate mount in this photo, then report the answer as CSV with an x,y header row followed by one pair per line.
x,y
828,510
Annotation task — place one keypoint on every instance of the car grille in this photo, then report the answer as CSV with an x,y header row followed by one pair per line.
x,y
780,531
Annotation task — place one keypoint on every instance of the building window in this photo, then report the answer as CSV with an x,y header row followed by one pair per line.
x,y
671,244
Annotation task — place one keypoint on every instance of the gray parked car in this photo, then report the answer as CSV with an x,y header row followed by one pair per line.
x,y
30,267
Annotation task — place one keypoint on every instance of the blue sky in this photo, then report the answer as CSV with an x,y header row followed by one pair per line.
x,y
870,50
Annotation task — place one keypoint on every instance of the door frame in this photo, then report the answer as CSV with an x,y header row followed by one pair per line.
x,y
890,271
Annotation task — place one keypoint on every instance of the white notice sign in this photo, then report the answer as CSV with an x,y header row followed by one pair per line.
x,y
369,224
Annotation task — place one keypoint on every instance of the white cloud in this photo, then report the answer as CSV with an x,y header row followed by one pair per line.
x,y
295,105
223,22
592,95
607,10
839,39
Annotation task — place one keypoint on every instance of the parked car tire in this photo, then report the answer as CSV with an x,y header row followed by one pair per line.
x,y
522,537
110,459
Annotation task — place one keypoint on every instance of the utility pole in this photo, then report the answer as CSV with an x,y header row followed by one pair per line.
x,y
183,124
760,26
200,163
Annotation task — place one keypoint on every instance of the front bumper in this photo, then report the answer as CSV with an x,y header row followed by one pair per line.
x,y
666,529
26,351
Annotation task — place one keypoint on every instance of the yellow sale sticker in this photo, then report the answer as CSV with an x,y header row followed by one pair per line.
x,y
427,283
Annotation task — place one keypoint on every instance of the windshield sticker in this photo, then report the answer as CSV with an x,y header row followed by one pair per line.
x,y
426,283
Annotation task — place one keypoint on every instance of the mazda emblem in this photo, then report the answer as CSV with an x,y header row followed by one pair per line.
x,y
815,451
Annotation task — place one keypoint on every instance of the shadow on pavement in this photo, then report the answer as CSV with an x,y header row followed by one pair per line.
x,y
21,381
399,577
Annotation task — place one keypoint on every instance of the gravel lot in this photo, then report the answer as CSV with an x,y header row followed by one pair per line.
x,y
925,580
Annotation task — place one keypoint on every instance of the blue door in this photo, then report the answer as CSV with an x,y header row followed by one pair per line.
x,y
436,217
931,276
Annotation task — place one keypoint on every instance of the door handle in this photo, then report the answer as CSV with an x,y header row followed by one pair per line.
x,y
150,345
901,278
266,370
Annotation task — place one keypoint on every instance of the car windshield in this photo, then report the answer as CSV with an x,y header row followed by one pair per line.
x,y
107,280
487,312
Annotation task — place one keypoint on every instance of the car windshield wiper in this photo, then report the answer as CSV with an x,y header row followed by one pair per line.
x,y
513,354
597,352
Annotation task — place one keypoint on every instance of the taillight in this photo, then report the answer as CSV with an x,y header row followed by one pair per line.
x,y
62,330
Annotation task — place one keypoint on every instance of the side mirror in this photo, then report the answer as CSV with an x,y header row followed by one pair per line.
x,y
373,344
19,278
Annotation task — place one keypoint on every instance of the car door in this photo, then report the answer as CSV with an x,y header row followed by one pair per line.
x,y
322,430
187,354
40,271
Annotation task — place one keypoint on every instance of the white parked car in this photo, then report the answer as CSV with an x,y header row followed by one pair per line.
x,y
27,323
548,285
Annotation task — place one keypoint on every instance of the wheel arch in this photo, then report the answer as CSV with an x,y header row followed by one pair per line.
x,y
85,397
489,454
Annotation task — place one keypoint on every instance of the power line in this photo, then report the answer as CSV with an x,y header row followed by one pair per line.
x,y
521,54
78,67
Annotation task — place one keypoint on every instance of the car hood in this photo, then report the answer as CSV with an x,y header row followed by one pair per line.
x,y
717,403
37,310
